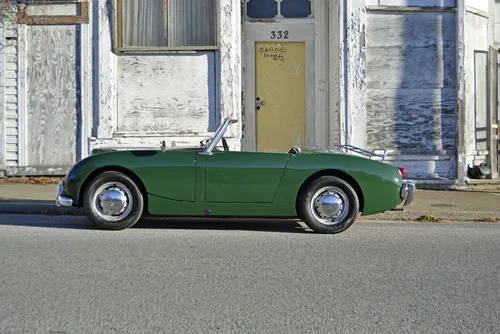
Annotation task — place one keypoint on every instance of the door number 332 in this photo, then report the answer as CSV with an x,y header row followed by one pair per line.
x,y
279,34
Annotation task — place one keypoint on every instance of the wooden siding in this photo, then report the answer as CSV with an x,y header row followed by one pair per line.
x,y
52,109
2,102
10,102
411,80
166,93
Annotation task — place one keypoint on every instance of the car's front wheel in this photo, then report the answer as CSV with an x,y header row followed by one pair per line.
x,y
113,201
329,205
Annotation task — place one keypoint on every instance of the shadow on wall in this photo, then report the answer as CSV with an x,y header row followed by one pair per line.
x,y
411,82
425,102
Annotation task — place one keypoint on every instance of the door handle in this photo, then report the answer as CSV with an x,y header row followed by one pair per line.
x,y
258,103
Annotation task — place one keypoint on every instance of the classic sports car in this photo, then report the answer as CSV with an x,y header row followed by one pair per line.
x,y
325,190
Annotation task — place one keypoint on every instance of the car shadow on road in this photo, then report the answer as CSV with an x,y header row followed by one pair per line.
x,y
226,224
7,200
54,221
79,222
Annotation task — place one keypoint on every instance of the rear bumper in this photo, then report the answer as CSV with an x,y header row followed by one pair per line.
x,y
407,193
60,199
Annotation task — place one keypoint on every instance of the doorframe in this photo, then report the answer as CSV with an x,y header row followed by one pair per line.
x,y
314,33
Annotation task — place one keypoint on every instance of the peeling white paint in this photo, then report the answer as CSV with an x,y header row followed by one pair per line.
x,y
117,82
166,93
475,53
336,34
426,167
356,80
478,4
105,74
416,3
230,66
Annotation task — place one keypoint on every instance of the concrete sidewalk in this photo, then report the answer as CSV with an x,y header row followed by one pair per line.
x,y
474,203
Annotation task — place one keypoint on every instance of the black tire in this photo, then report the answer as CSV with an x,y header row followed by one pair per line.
x,y
128,198
344,205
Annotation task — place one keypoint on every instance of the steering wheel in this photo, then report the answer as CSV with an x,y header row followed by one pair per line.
x,y
204,143
224,143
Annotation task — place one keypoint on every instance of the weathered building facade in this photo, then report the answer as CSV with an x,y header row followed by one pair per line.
x,y
412,77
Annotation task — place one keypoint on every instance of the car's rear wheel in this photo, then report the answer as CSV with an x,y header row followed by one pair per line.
x,y
113,201
329,205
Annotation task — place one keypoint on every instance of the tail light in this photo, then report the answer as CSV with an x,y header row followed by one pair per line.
x,y
402,171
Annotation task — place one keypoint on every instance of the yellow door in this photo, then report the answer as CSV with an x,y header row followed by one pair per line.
x,y
281,96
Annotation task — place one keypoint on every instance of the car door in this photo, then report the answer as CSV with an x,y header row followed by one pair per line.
x,y
170,174
243,177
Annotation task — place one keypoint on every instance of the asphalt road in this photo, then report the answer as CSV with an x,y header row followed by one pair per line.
x,y
57,275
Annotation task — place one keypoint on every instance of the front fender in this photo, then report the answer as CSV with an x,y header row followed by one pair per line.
x,y
81,171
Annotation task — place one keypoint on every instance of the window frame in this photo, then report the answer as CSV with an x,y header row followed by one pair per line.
x,y
118,33
82,17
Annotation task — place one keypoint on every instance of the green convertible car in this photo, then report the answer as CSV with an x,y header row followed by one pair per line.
x,y
324,189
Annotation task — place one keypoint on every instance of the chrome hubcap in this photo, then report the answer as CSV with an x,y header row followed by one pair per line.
x,y
330,205
113,201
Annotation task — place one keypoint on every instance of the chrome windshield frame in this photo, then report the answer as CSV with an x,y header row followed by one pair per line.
x,y
217,137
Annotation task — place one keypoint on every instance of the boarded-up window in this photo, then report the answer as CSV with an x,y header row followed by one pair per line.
x,y
166,25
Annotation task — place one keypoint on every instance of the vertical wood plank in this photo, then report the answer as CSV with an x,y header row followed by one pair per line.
x,y
85,108
21,96
52,108
336,90
321,127
105,78
355,119
230,55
